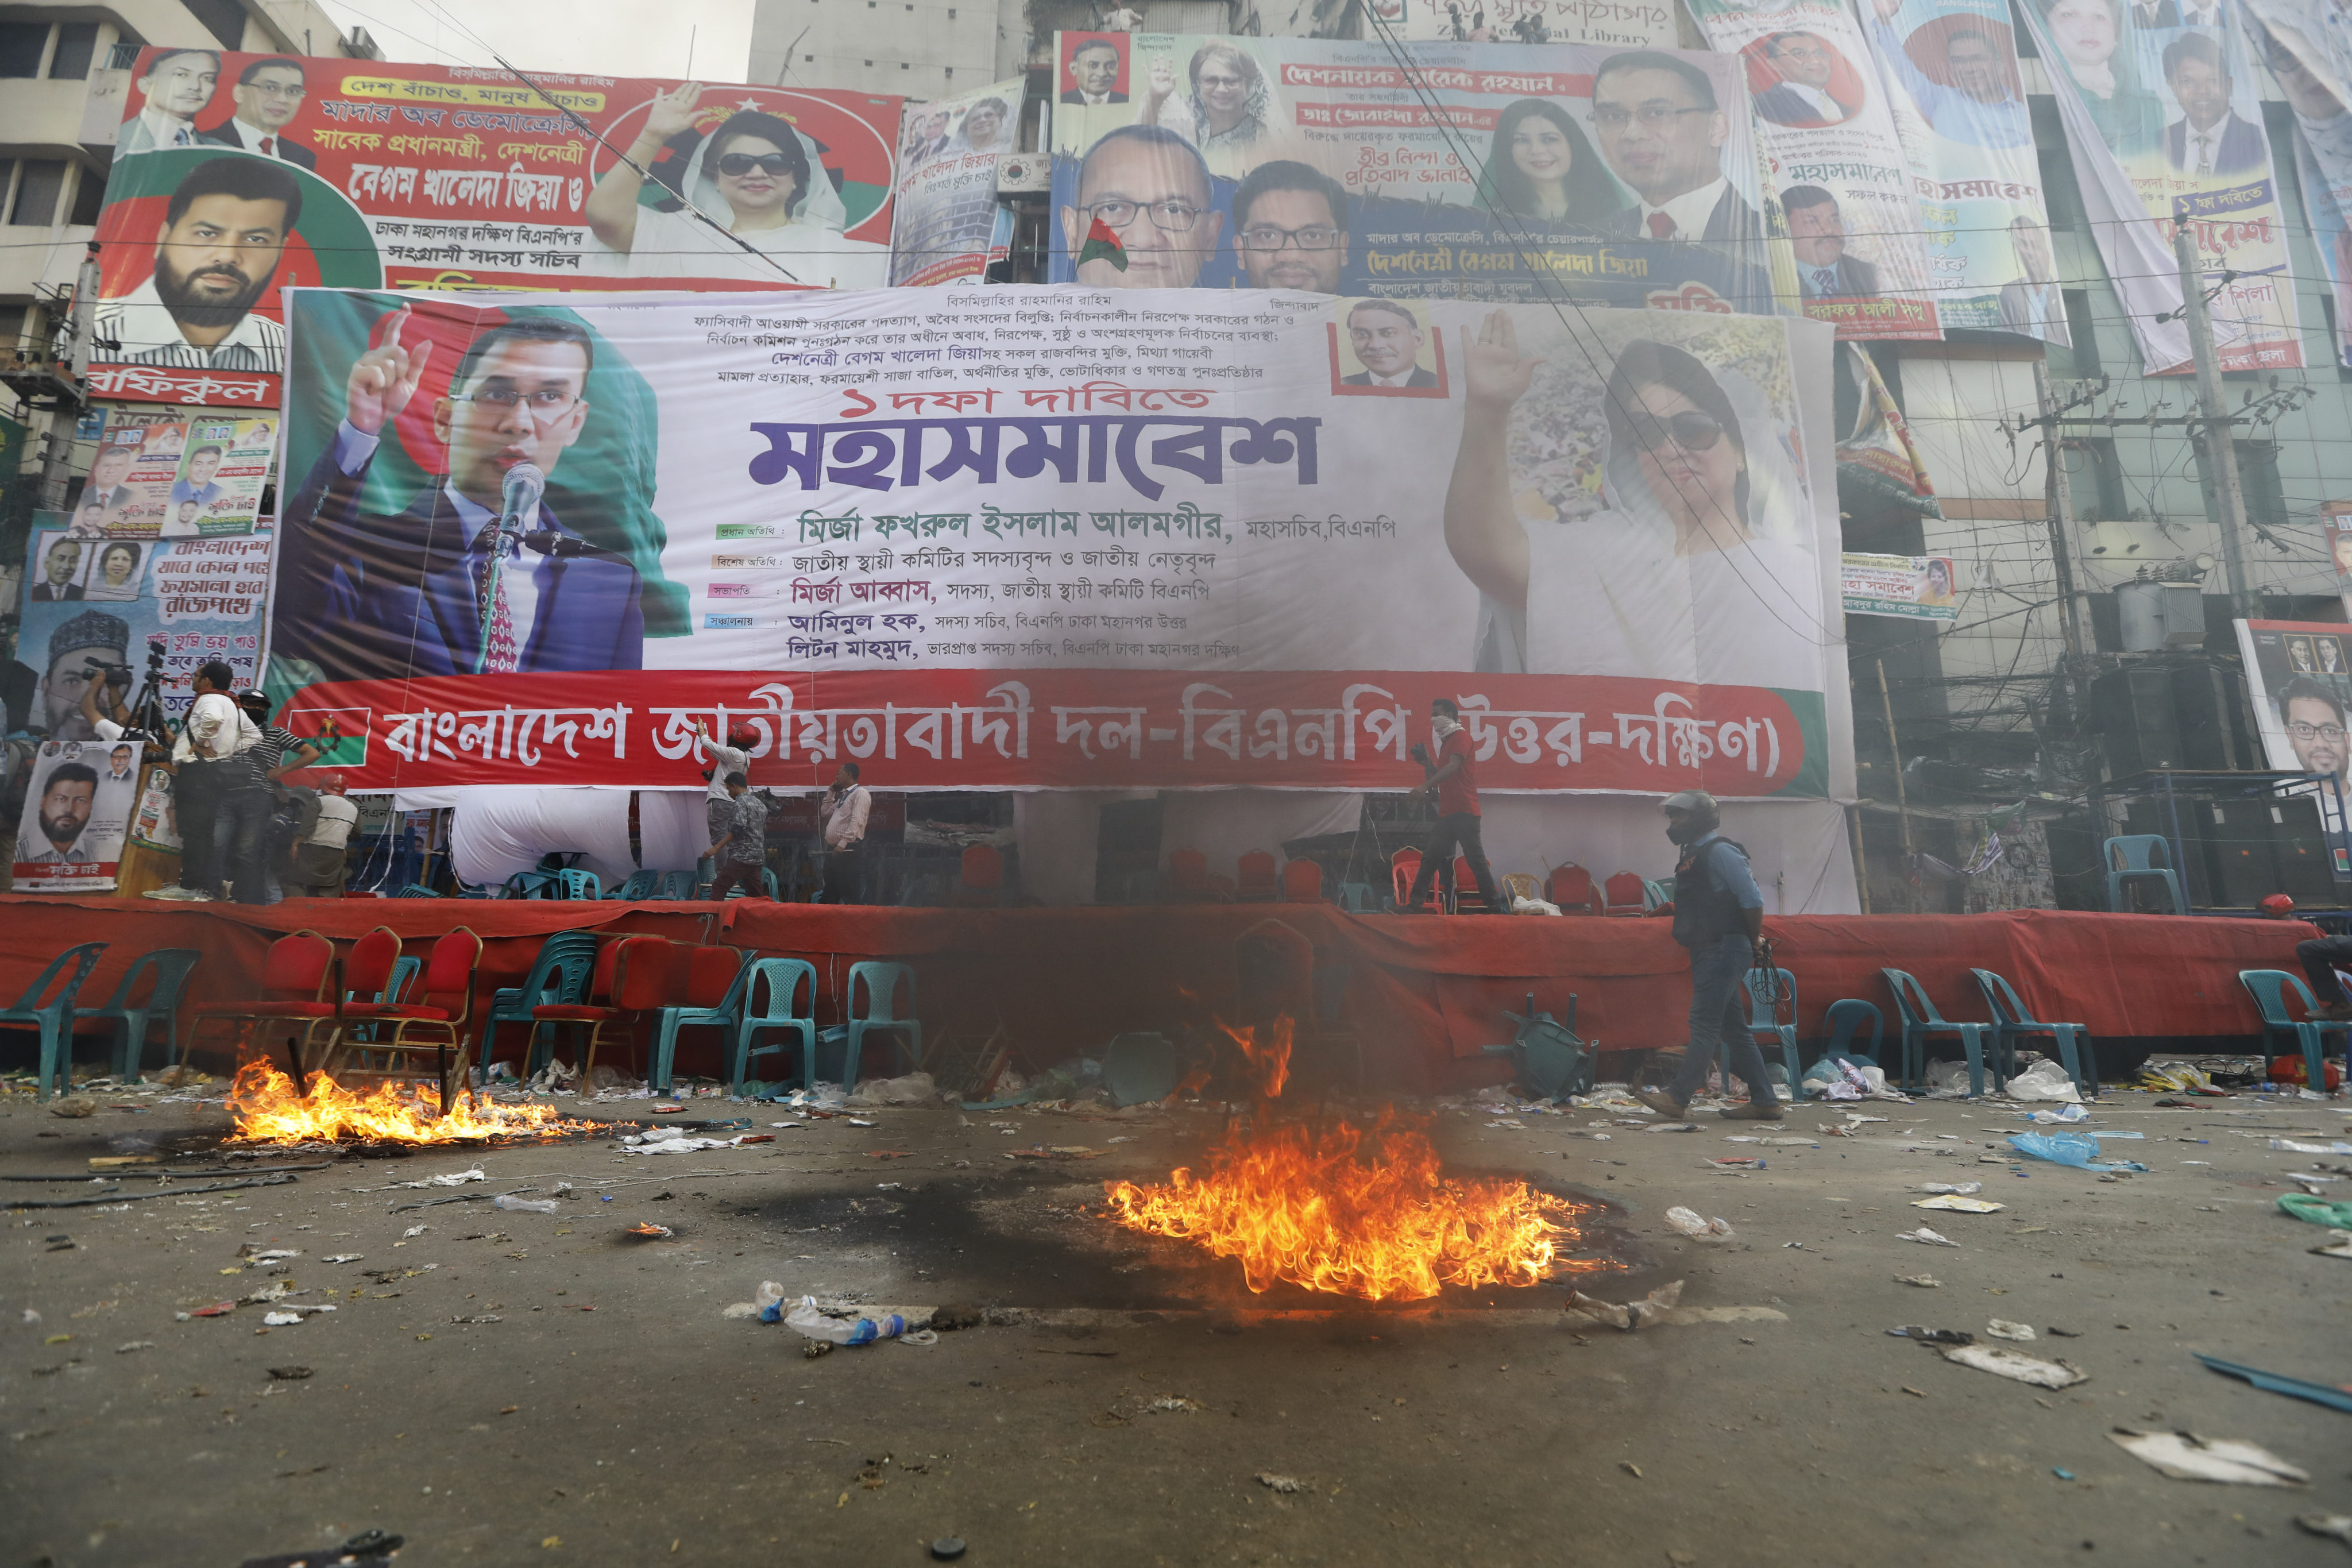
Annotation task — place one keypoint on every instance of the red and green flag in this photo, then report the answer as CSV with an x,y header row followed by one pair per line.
x,y
1102,242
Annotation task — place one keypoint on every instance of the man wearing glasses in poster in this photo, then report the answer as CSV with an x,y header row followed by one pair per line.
x,y
1149,186
371,596
1290,227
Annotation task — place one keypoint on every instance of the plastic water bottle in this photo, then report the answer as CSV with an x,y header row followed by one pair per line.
x,y
771,1302
864,1331
528,1206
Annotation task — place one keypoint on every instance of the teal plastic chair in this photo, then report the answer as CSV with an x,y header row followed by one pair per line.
x,y
404,970
1764,1018
2309,1034
767,885
641,885
414,891
715,978
2012,1022
781,977
574,884
55,1016
170,967
1843,1023
676,886
2141,857
559,977
532,885
1921,1022
881,981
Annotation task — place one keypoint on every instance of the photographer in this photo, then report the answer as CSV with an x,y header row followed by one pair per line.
x,y
105,705
217,793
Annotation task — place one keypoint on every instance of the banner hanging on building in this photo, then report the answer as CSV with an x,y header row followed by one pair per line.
x,y
1949,68
2165,126
238,174
175,473
2312,63
92,603
77,806
1910,587
946,207
1052,537
1634,24
1835,161
1586,172
2335,523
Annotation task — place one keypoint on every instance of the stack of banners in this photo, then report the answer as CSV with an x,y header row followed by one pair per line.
x,y
1949,68
1032,537
173,473
97,604
77,809
947,208
236,173
1879,456
1565,171
2166,130
1837,163
1633,23
2304,44
1910,587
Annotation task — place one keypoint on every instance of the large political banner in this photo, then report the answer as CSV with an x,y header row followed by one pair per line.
x,y
1836,163
1949,68
1572,172
236,174
946,207
1042,537
1642,24
2312,63
175,473
77,806
2165,126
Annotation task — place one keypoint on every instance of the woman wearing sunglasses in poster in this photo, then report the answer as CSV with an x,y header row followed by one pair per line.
x,y
1697,565
756,176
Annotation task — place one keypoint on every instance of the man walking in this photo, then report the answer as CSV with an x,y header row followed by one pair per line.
x,y
845,809
214,766
1456,788
738,853
1719,917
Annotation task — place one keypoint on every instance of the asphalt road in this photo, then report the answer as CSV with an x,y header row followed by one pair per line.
x,y
507,1387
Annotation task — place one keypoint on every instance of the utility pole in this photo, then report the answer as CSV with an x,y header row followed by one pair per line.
x,y
2221,447
63,390
2058,508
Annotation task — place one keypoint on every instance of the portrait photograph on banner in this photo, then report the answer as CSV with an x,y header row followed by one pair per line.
x,y
1614,176
2309,56
946,197
166,473
1034,561
77,806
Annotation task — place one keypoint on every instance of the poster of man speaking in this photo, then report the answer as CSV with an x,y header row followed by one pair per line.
x,y
474,496
76,805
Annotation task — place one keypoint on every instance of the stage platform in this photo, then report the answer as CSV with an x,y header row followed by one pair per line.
x,y
1425,992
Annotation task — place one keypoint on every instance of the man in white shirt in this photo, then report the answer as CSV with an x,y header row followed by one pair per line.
x,y
209,765
319,864
268,93
217,255
177,86
845,809
1387,339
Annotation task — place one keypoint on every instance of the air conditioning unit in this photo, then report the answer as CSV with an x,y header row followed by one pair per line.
x,y
2158,615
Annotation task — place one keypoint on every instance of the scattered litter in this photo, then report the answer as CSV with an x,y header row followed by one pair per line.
x,y
414,1231
1959,1204
1739,1163
1511,1121
2016,1368
1924,1236
767,1303
281,1319
1285,1484
1674,1127
914,1089
2045,1079
1173,1405
2273,1383
1961,1188
2185,1457
514,1204
2289,1146
344,1257
1693,1224
854,1121
2002,1329
741,1309
2068,1149
1926,1336
453,1179
217,1310
919,1337
2064,1114
948,1548
75,1108
2316,1211
1628,1315
134,1345
646,1228
2061,1475
1630,1468
1925,1281
1058,1152
2339,1245
814,1322
2333,1526
290,1374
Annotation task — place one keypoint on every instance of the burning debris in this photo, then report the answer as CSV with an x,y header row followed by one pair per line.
x,y
269,1109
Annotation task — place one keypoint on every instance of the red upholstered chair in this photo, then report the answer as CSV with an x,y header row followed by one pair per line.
x,y
647,972
437,1022
1465,886
294,978
1570,888
980,880
1189,882
592,1013
1302,882
1403,867
1255,882
1625,895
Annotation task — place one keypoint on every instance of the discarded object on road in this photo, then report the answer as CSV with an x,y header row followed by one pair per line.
x,y
1554,1062
512,1203
2002,1329
2068,1149
1739,1163
947,1548
2339,1245
1627,1315
914,1089
2063,1115
368,1549
2334,1526
2316,1211
2185,1457
1933,1336
1961,1188
1286,1484
2016,1368
1698,1227
647,1230
2289,1145
2273,1383
813,1322
1924,1236
2045,1079
1925,1281
1959,1204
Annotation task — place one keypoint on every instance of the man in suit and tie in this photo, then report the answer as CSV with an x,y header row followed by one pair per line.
x,y
1388,339
1661,131
1094,72
374,597
1801,96
2209,138
268,93
2031,304
177,86
1818,236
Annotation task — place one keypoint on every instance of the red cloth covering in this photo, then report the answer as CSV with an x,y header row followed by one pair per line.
x,y
1426,992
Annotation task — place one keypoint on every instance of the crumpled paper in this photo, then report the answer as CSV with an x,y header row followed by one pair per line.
x,y
2186,1457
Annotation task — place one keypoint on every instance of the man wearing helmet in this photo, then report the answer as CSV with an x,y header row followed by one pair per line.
x,y
1719,917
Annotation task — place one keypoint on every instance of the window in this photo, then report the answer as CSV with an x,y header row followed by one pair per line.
x,y
22,45
39,183
77,47
89,194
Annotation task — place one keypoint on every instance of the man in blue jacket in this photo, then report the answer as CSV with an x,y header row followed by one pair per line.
x,y
1719,917
363,595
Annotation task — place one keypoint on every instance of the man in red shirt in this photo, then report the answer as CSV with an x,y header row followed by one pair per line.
x,y
1456,788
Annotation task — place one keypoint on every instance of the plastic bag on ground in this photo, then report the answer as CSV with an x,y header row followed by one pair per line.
x,y
1533,907
912,1089
2015,1367
2045,1079
814,1324
514,1204
2062,1115
1947,1079
1698,1227
2068,1149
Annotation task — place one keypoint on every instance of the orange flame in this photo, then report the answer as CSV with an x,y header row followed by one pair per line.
x,y
1355,1214
1269,1064
269,1110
